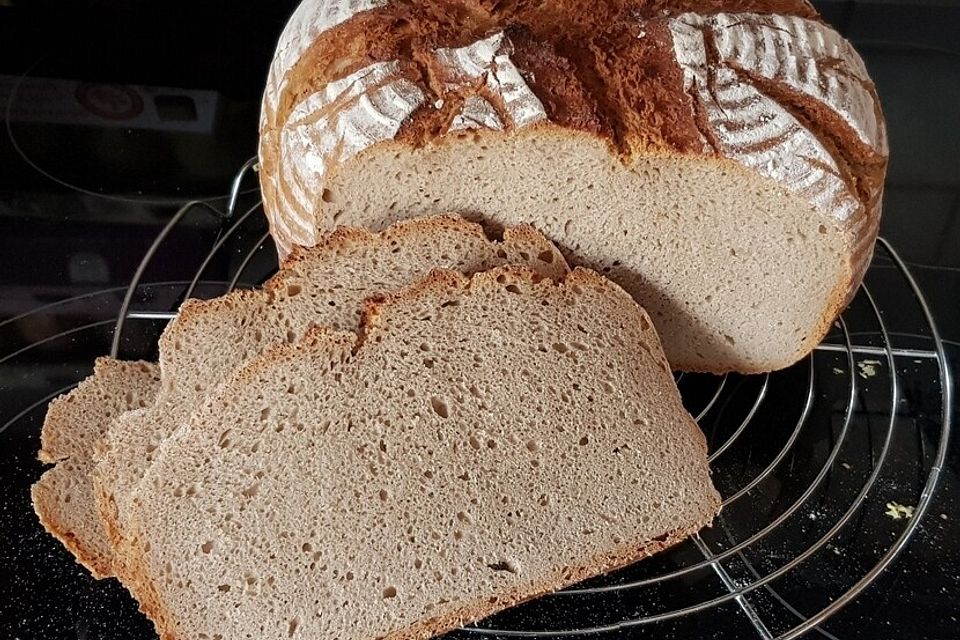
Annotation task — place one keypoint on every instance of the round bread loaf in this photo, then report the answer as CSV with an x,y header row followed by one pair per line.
x,y
722,160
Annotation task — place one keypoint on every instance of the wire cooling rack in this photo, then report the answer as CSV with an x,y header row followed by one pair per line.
x,y
826,469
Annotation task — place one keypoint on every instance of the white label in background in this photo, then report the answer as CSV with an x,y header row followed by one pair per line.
x,y
48,100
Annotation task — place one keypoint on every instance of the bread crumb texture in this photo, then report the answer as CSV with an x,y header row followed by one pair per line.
x,y
324,285
483,440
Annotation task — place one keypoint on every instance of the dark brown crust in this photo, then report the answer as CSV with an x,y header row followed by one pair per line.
x,y
329,342
408,30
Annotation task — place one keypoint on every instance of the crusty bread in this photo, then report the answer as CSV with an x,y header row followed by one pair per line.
x,y
725,168
481,442
74,425
322,286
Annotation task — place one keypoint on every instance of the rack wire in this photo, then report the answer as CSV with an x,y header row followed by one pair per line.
x,y
806,459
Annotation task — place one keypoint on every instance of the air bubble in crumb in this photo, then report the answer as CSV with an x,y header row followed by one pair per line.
x,y
390,592
508,565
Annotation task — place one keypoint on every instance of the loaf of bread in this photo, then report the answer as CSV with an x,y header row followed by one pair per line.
x,y
722,160
482,441
322,286
73,428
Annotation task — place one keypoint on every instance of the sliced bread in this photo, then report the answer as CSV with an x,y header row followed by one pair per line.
x,y
481,442
324,286
74,426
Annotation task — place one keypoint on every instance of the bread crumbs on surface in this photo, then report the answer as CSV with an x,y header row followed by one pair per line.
x,y
868,368
898,511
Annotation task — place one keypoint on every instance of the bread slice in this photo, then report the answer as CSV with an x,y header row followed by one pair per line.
x,y
74,426
722,161
483,441
322,286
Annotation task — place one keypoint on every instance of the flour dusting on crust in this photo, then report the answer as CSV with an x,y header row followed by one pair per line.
x,y
331,126
309,20
752,128
489,60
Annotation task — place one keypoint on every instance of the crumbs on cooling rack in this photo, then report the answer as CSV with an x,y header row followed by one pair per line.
x,y
898,511
868,368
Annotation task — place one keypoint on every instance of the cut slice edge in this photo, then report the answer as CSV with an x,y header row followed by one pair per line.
x,y
63,497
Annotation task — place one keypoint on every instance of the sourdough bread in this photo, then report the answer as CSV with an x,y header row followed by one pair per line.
x,y
74,426
482,441
722,160
322,286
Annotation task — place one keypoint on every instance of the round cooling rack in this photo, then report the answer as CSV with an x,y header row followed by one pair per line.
x,y
826,469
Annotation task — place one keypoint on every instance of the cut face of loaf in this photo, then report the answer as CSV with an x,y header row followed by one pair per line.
x,y
725,168
74,426
322,286
734,273
482,442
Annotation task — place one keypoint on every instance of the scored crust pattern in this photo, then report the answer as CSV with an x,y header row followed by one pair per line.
x,y
332,125
782,95
751,127
488,61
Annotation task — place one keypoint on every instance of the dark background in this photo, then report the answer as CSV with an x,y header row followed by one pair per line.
x,y
79,205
